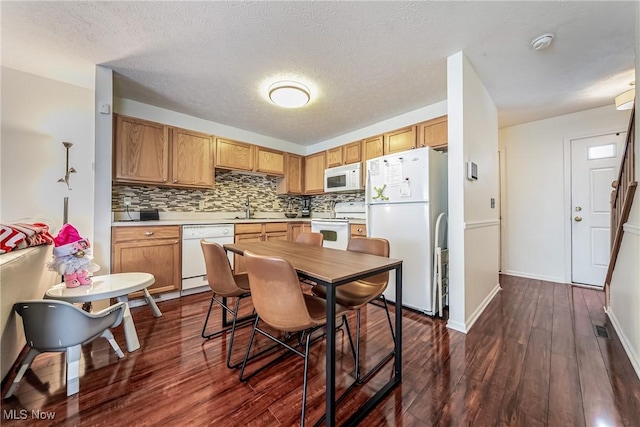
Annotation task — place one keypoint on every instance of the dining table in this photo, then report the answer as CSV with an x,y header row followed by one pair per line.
x,y
333,268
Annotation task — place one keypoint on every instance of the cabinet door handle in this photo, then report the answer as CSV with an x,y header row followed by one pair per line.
x,y
359,230
149,233
176,242
175,181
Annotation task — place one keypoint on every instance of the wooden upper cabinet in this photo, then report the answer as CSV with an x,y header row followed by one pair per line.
x,y
234,155
141,151
334,157
372,147
352,153
344,154
314,166
433,133
269,161
291,183
400,140
192,159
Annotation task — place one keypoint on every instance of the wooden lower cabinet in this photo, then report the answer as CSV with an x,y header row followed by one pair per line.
x,y
154,250
358,230
296,228
256,232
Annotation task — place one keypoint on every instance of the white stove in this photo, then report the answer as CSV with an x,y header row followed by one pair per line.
x,y
336,230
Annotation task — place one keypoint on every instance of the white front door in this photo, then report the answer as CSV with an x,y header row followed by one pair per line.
x,y
594,166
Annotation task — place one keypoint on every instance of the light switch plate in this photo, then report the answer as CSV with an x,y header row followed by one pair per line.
x,y
104,108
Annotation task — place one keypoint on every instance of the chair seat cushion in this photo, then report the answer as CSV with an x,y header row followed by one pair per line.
x,y
317,309
242,280
353,295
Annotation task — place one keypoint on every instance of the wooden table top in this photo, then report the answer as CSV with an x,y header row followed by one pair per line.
x,y
321,264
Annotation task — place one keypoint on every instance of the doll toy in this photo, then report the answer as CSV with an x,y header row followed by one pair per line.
x,y
72,257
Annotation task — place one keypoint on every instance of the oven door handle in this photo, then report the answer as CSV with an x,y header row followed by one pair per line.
x,y
330,224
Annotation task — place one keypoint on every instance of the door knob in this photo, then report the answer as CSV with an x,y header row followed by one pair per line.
x,y
578,218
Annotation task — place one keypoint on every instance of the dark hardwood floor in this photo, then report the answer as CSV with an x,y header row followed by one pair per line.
x,y
531,359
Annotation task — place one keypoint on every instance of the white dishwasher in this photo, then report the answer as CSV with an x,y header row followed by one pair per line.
x,y
194,272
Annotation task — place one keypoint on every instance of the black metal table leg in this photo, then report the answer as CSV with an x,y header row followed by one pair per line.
x,y
331,356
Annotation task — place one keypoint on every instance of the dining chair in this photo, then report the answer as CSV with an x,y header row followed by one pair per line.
x,y
224,283
310,238
56,326
280,303
355,295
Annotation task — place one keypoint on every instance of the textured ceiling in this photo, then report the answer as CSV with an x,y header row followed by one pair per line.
x,y
365,61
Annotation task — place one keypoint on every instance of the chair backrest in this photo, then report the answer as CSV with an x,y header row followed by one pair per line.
x,y
219,273
310,238
276,293
52,325
371,246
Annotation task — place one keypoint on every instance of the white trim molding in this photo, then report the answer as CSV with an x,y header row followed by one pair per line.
x,y
457,326
478,311
481,224
633,357
465,327
630,228
554,279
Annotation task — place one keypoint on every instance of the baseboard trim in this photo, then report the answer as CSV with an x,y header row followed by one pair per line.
x,y
630,228
468,324
456,326
554,279
476,314
633,357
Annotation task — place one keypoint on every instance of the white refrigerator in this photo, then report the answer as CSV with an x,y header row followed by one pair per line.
x,y
405,193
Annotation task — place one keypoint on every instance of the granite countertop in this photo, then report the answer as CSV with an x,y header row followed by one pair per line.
x,y
121,219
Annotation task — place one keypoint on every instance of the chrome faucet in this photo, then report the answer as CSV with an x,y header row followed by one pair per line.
x,y
247,205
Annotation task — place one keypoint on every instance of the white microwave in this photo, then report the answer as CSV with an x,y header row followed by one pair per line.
x,y
343,178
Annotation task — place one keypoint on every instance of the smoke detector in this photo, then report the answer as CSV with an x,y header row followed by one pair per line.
x,y
543,41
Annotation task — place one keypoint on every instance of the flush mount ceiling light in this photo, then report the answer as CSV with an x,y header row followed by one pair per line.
x,y
289,94
624,101
543,41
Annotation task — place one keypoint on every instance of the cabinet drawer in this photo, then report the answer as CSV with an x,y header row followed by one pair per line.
x,y
248,228
275,226
123,234
359,230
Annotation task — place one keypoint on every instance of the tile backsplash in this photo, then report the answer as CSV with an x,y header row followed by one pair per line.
x,y
228,195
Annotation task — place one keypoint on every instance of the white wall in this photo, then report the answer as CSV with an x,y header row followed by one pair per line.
x,y
624,306
534,225
104,142
473,223
37,115
20,281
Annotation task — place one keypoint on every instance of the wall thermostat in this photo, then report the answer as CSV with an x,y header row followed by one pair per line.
x,y
472,171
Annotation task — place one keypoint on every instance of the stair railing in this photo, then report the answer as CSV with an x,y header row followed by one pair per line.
x,y
622,195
